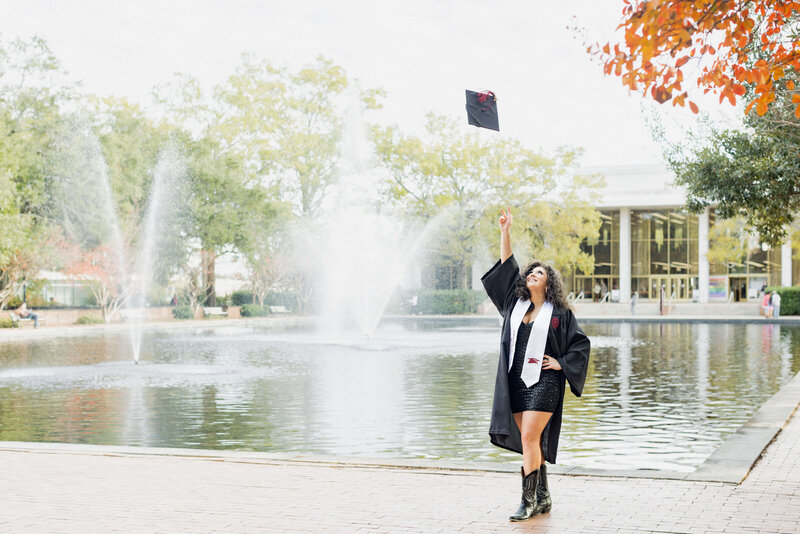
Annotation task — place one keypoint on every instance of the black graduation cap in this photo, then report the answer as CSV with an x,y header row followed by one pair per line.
x,y
482,110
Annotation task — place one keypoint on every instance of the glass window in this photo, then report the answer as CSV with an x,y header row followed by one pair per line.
x,y
693,248
602,258
640,286
693,224
677,225
757,261
679,256
640,226
659,258
640,258
658,226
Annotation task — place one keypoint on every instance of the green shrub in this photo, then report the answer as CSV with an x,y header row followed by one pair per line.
x,y
448,301
240,298
6,322
89,319
287,300
14,303
254,310
790,299
182,312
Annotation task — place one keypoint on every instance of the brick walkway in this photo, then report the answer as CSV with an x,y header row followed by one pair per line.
x,y
92,490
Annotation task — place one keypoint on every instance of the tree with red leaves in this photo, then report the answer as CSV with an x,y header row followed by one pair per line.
x,y
733,42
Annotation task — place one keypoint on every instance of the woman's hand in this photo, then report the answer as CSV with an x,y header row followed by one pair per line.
x,y
505,220
550,363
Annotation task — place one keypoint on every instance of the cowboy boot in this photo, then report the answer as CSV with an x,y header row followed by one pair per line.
x,y
528,507
543,492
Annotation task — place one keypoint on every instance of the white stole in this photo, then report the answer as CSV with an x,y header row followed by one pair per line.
x,y
534,351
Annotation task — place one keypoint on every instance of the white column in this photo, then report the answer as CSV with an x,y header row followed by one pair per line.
x,y
786,263
625,255
702,255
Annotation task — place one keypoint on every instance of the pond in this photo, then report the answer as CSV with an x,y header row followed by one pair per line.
x,y
660,396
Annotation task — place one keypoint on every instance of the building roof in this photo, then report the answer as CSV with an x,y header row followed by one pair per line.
x,y
638,186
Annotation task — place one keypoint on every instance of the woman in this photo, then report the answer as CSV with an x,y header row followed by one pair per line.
x,y
541,348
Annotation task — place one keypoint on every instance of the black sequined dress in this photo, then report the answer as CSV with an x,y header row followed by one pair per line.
x,y
543,396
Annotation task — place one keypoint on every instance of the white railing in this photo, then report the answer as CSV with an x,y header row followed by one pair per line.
x,y
670,301
572,298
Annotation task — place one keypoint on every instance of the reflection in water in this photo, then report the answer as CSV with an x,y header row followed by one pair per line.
x,y
657,395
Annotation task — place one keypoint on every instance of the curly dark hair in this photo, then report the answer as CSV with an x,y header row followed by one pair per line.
x,y
553,293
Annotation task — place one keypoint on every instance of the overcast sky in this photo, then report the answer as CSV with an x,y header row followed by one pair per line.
x,y
423,53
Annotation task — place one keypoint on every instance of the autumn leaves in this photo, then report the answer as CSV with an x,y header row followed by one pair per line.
x,y
733,42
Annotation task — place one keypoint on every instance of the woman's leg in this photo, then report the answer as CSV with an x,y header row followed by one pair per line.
x,y
531,425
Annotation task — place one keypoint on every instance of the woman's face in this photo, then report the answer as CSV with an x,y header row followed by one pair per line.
x,y
537,280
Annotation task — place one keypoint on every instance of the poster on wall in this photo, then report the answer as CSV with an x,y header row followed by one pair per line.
x,y
717,288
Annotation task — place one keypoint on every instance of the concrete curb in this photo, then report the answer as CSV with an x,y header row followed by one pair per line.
x,y
734,459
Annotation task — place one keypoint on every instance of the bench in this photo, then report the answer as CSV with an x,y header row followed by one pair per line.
x,y
17,321
214,311
278,309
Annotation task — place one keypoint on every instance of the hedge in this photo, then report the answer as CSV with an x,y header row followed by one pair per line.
x,y
182,312
240,298
89,319
254,310
448,301
790,299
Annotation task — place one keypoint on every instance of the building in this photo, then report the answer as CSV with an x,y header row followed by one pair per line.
x,y
649,242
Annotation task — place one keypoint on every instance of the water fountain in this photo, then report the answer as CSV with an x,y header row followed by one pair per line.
x,y
367,248
85,207
168,176
82,200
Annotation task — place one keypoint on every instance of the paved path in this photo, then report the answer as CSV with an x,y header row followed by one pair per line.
x,y
85,489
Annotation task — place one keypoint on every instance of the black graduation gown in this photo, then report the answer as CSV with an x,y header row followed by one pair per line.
x,y
568,343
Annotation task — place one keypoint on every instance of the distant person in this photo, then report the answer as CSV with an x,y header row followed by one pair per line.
x,y
634,298
25,313
776,304
541,349
603,290
662,297
596,291
765,308
174,300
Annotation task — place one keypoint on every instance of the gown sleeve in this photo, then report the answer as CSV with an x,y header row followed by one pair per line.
x,y
499,281
574,360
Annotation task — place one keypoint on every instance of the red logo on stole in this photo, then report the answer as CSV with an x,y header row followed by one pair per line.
x,y
554,322
533,360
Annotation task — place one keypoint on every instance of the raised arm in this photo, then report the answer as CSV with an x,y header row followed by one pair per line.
x,y
505,240
501,279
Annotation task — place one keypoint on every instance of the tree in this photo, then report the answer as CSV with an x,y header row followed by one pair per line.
x,y
22,265
99,267
30,95
191,287
265,238
732,42
472,178
287,126
728,241
131,145
752,172
224,210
